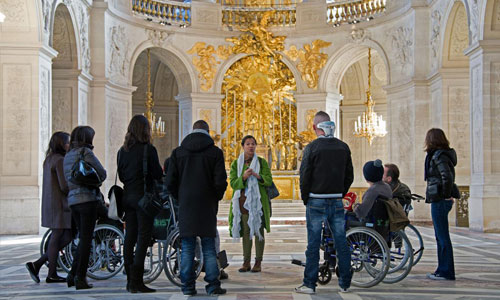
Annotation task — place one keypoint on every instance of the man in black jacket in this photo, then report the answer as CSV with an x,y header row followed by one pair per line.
x,y
197,178
399,190
326,174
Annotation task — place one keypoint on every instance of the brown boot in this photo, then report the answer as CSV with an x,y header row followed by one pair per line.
x,y
257,267
245,267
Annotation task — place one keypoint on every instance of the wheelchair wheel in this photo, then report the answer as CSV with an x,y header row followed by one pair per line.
x,y
369,256
172,258
106,256
62,262
153,264
325,274
417,242
401,257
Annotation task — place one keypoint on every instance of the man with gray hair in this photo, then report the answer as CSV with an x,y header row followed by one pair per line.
x,y
326,175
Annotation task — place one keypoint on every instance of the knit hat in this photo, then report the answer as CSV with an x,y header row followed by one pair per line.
x,y
373,170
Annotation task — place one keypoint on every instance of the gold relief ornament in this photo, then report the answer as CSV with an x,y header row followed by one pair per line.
x,y
311,60
205,63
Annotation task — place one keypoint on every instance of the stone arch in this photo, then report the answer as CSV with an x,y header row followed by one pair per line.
x,y
490,13
456,36
71,16
173,58
343,58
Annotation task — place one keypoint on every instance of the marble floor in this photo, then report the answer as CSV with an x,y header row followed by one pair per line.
x,y
477,263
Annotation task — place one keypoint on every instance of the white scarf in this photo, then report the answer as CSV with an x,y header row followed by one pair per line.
x,y
252,203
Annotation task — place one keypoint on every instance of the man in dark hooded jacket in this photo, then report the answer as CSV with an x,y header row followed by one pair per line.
x,y
197,178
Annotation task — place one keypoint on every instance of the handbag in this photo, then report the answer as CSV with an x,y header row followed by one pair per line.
x,y
115,196
82,173
272,192
150,203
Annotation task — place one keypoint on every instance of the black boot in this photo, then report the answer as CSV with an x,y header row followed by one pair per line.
x,y
127,272
136,281
81,283
70,279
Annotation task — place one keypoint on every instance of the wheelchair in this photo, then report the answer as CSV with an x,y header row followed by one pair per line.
x,y
377,255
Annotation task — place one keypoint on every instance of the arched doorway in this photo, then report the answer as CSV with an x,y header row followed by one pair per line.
x,y
165,88
258,100
353,87
65,72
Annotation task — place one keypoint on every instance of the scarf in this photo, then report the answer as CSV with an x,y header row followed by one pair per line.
x,y
252,203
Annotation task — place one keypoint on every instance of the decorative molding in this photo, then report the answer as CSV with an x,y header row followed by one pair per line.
x,y
158,37
475,22
459,36
360,35
402,47
435,38
61,109
15,11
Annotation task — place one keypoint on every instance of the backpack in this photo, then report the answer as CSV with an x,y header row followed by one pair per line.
x,y
397,216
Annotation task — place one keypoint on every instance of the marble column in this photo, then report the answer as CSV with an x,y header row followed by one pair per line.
x,y
308,105
484,202
333,109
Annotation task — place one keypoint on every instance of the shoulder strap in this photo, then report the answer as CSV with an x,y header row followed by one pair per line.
x,y
118,161
145,165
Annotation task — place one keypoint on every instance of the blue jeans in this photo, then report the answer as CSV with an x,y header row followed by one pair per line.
x,y
439,213
188,276
331,211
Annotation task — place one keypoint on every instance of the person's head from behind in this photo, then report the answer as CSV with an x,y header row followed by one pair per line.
x,y
322,124
201,124
373,171
82,136
59,143
391,173
138,131
435,139
249,144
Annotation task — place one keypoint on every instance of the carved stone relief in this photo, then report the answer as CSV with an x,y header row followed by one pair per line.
x,y
402,47
459,35
61,109
118,61
435,37
474,20
158,37
477,118
458,103
16,94
46,4
359,35
496,18
84,35
44,109
495,118
403,134
15,11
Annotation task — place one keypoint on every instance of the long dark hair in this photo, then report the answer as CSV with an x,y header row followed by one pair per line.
x,y
138,131
82,136
436,140
57,143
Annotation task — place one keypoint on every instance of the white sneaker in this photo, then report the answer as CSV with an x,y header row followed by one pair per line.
x,y
304,290
343,290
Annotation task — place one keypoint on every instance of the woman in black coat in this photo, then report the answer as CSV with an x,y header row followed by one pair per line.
x,y
139,226
56,214
440,165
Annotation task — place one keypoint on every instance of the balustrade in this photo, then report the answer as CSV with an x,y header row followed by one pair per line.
x,y
353,11
164,11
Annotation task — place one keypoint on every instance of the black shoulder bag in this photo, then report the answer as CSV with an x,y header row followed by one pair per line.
x,y
150,203
82,173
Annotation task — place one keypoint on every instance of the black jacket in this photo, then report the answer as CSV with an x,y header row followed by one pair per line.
x,y
130,171
197,177
326,168
401,191
440,174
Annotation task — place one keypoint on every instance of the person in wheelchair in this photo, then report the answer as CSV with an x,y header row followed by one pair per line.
x,y
399,190
371,212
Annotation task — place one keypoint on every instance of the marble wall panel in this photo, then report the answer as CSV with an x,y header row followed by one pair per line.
x,y
62,109
458,129
477,120
495,116
16,119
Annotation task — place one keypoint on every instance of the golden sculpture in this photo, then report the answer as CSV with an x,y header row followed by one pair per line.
x,y
205,63
311,60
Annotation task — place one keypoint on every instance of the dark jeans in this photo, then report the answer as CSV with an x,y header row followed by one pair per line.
x,y
188,276
139,228
85,216
439,213
331,211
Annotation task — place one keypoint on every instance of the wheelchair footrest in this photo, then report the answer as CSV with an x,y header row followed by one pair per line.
x,y
298,262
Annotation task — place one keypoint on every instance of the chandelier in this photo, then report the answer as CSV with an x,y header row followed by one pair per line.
x,y
369,125
157,125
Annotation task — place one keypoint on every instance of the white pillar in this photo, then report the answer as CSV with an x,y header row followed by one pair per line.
x,y
484,200
333,109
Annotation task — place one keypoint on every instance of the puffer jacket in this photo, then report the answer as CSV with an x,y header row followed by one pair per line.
x,y
79,193
440,174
